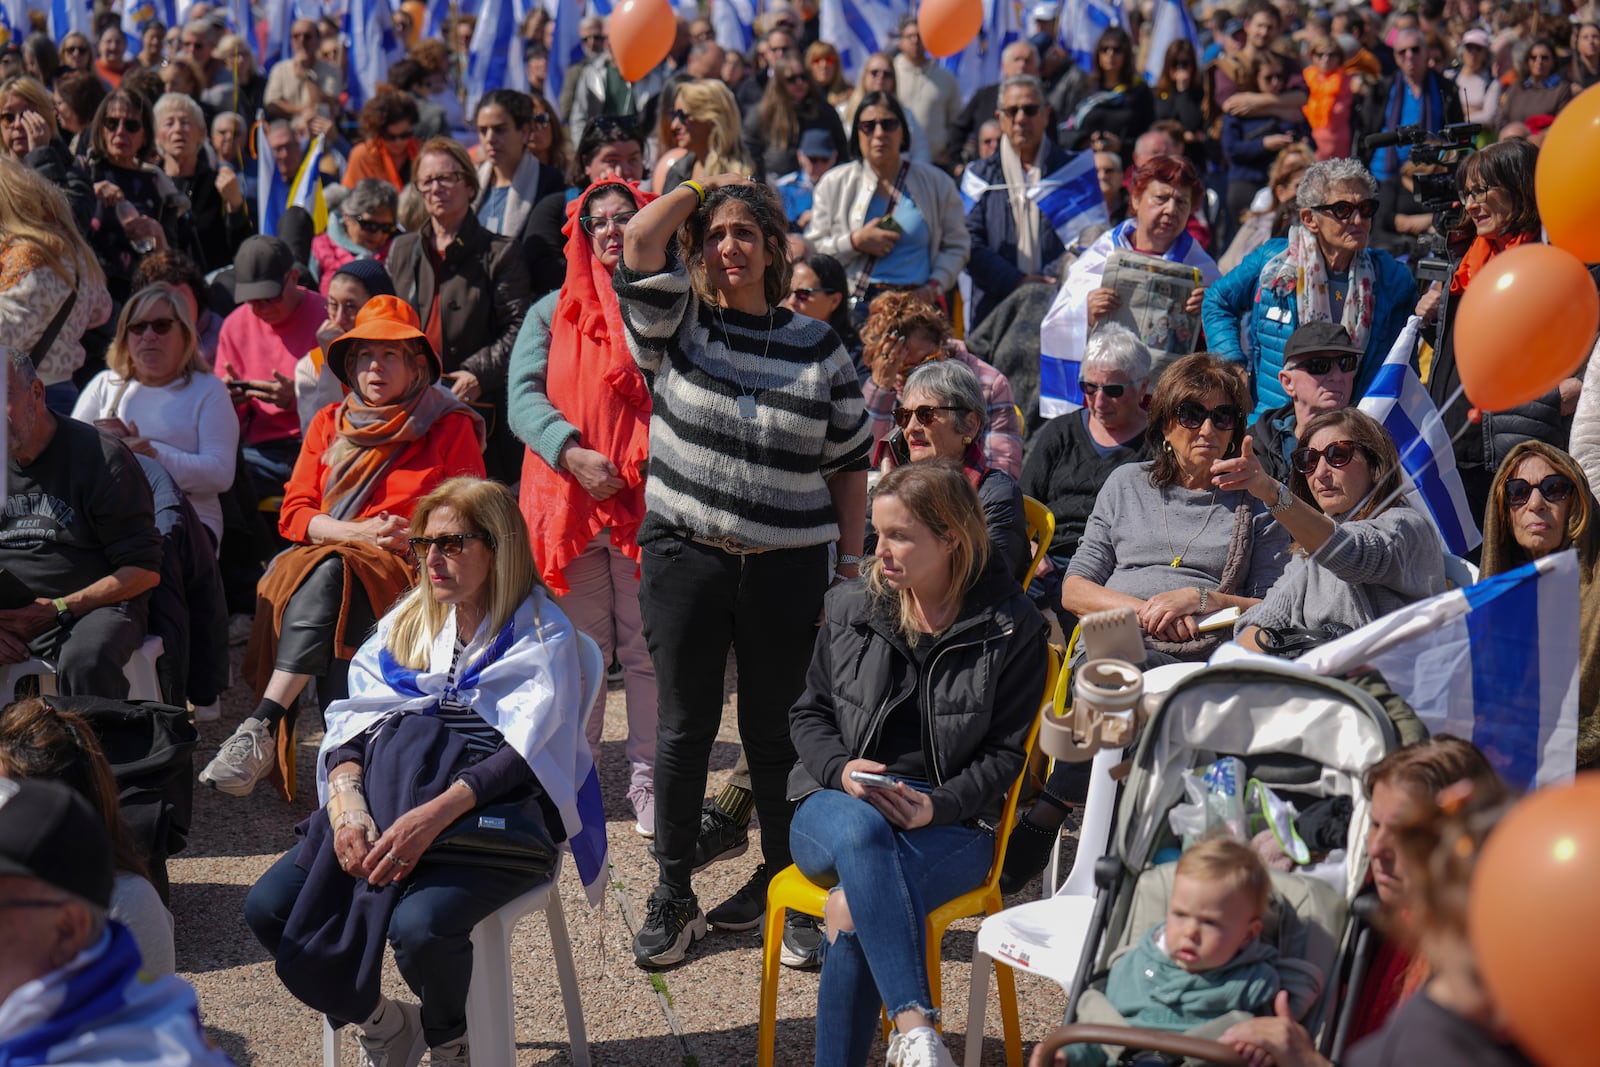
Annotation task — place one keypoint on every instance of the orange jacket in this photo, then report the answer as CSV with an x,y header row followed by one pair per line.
x,y
370,159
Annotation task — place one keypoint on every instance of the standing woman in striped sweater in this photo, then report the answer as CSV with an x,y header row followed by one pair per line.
x,y
758,461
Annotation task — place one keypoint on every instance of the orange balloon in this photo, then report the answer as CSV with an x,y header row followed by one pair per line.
x,y
1532,921
948,26
1526,322
641,34
1568,162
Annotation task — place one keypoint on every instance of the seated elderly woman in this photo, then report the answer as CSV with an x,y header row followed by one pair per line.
x,y
941,415
363,227
1361,550
365,463
905,331
476,676
893,827
1323,271
1541,503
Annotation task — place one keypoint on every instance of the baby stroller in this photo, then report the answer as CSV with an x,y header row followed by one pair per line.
x,y
1306,738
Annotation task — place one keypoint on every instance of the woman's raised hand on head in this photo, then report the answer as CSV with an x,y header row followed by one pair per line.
x,y
717,181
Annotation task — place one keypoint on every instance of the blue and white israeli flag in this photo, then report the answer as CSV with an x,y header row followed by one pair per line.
x,y
1070,199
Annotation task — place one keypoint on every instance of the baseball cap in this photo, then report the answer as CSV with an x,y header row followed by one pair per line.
x,y
1316,338
1476,36
260,268
49,832
1043,12
816,144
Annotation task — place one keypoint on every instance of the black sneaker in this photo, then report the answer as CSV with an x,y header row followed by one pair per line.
x,y
671,925
743,910
720,838
803,942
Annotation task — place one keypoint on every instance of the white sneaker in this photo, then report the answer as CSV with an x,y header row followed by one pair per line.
x,y
397,1041
246,757
922,1047
455,1054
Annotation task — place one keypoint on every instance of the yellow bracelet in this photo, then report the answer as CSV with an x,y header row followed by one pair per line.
x,y
699,190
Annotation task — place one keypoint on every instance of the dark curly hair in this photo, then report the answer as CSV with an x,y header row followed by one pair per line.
x,y
1191,378
384,110
762,203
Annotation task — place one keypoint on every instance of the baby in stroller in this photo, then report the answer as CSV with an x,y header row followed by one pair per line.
x,y
1205,967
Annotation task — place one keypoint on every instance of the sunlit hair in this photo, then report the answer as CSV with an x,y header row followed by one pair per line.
x,y
905,314
39,742
445,146
1191,378
1232,864
1441,850
1502,553
709,100
384,110
1322,176
1425,767
889,102
823,50
486,507
762,203
35,212
938,495
119,357
1117,348
36,96
1376,447
778,112
863,86
951,383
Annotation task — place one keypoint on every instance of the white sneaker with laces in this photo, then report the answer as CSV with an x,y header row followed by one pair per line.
x,y
922,1047
396,1040
246,757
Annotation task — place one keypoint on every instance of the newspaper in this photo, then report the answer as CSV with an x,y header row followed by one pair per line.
x,y
1154,292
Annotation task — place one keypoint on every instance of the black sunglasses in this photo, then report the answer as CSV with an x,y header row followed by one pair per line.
x,y
1029,110
795,79
680,115
593,37
1193,415
450,545
1343,209
540,118
803,293
1317,366
1553,487
872,126
1338,454
161,326
922,412
368,226
126,125
1112,391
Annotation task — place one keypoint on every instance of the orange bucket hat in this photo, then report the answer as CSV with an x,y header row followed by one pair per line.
x,y
383,318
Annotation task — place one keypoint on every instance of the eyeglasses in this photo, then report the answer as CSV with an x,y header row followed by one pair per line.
x,y
449,545
114,123
441,181
1029,110
923,413
1411,51
1325,55
872,126
1476,192
1112,391
1112,50
9,117
1343,209
594,225
798,79
1542,57
1317,366
367,225
1555,488
680,115
884,73
1338,454
1193,415
591,37
162,327
540,118
1182,64
396,136
310,35
805,293
75,50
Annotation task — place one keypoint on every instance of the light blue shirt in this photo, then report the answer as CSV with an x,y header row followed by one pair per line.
x,y
911,261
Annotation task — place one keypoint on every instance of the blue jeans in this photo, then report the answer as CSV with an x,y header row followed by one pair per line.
x,y
892,879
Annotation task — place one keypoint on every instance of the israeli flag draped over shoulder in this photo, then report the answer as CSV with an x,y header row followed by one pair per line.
x,y
525,681
1496,662
1398,400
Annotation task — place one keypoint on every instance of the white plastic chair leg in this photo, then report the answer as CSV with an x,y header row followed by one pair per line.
x,y
977,1007
140,670
332,1045
567,974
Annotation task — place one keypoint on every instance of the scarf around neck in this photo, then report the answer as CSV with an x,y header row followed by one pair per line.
x,y
370,439
1024,212
1478,255
1300,269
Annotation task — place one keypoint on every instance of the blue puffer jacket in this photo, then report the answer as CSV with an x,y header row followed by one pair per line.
x,y
1272,319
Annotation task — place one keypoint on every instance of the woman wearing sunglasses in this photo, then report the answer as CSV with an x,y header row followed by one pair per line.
x,y
1541,503
817,291
138,207
1360,550
1538,89
462,698
878,76
361,227
703,129
1322,272
363,466
790,105
389,147
582,408
1118,101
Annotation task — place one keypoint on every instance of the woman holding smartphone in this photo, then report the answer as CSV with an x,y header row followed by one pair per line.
x,y
938,623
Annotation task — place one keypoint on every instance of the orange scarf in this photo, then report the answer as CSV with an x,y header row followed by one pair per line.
x,y
1483,249
371,438
593,381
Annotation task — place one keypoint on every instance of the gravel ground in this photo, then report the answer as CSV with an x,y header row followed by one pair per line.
x,y
701,1013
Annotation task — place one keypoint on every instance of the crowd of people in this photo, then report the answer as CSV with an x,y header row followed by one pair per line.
x,y
755,357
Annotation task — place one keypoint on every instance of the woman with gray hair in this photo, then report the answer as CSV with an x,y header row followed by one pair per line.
x,y
362,227
1322,271
216,194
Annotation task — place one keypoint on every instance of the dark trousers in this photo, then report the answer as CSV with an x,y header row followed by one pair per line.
x,y
89,658
696,602
431,929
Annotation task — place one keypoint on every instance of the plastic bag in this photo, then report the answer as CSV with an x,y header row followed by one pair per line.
x,y
1215,803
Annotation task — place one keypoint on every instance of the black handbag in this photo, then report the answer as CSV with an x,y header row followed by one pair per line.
x,y
1289,642
509,834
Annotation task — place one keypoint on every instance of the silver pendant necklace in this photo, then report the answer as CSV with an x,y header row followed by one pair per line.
x,y
746,400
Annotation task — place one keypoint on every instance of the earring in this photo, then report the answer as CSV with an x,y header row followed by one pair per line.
x,y
967,440
1167,445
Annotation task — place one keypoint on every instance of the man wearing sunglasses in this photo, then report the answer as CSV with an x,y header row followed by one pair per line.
x,y
1319,374
1414,95
1018,57
1011,245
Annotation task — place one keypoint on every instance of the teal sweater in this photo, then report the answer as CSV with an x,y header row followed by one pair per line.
x,y
535,420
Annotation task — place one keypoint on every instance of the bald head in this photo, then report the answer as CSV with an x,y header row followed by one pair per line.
x,y
1019,57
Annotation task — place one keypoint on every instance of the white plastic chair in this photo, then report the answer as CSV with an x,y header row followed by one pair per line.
x,y
140,671
1046,937
491,1022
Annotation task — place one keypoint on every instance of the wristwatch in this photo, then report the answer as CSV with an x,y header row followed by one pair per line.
x,y
1285,501
64,616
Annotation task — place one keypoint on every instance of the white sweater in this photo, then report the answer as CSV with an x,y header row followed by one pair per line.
x,y
192,426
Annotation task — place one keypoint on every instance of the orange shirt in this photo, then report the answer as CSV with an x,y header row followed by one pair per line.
x,y
370,159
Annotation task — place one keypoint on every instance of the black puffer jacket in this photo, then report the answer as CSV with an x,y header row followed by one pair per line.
x,y
978,693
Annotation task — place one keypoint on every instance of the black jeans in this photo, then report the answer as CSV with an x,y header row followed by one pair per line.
x,y
90,657
696,602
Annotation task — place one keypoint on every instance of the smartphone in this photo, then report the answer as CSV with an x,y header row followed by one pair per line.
x,y
873,781
888,223
898,447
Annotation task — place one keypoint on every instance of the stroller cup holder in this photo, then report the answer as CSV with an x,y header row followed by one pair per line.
x,y
1107,712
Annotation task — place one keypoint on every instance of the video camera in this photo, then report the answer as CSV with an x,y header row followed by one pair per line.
x,y
1435,192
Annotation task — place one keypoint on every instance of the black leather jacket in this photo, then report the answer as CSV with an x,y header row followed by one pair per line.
x,y
978,691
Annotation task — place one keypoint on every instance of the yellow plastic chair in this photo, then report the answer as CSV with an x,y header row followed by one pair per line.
x,y
791,889
1041,531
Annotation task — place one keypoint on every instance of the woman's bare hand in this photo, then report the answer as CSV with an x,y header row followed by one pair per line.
x,y
903,806
1245,472
887,358
853,787
873,240
1168,613
350,847
596,473
1196,301
1100,303
406,840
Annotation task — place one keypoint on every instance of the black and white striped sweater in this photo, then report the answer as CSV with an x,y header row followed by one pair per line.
x,y
761,481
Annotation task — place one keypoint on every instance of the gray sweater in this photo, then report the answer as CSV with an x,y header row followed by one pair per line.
x,y
1135,531
1367,569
